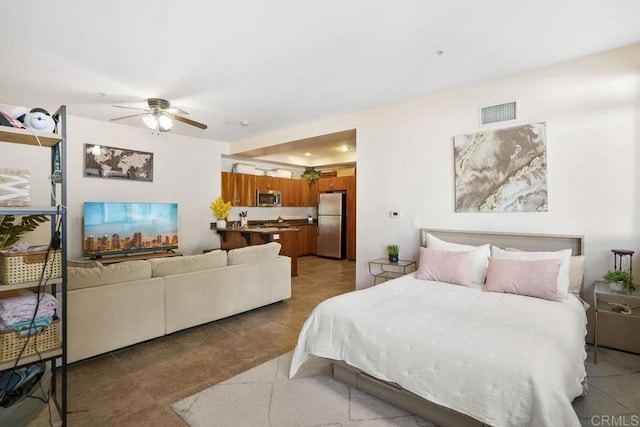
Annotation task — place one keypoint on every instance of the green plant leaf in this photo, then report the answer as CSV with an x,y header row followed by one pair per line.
x,y
11,233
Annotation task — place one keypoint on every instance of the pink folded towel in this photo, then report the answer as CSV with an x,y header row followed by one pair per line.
x,y
21,308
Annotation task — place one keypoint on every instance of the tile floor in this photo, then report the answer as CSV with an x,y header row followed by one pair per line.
x,y
136,386
613,397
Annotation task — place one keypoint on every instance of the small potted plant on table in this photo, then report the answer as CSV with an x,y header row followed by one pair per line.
x,y
619,280
221,211
393,250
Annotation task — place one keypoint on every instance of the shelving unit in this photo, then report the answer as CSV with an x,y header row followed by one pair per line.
x,y
58,287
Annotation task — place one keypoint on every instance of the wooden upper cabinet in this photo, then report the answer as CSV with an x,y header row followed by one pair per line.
x,y
335,183
313,194
238,188
287,187
297,192
268,182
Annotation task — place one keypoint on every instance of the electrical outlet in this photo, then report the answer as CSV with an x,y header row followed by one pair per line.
x,y
396,214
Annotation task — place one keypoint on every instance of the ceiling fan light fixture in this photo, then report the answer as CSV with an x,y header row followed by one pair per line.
x,y
165,123
150,121
160,117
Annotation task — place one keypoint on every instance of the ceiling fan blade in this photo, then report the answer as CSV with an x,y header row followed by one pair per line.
x,y
128,117
188,121
131,108
175,110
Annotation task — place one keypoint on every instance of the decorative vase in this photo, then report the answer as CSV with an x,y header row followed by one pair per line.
x,y
617,286
221,223
393,258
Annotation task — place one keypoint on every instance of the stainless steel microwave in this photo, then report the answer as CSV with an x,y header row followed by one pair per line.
x,y
269,198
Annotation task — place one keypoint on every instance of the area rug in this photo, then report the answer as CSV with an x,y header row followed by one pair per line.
x,y
264,396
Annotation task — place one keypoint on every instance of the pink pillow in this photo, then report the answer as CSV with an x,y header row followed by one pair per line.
x,y
534,278
445,266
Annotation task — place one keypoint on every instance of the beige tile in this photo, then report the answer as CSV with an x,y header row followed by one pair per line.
x,y
163,379
159,351
87,374
624,389
106,402
151,416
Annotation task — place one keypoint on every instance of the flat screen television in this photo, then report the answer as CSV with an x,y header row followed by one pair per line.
x,y
118,228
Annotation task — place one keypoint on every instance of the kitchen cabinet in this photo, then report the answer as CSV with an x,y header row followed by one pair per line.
x,y
264,182
297,193
334,183
238,188
307,239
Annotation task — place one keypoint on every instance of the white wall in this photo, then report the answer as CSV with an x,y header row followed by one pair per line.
x,y
186,170
405,158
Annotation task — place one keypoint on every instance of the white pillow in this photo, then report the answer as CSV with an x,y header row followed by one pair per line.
x,y
576,274
480,256
563,255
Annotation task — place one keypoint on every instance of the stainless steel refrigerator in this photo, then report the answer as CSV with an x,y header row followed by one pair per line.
x,y
332,225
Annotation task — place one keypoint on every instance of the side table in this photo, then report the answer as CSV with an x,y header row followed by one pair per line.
x,y
384,269
617,319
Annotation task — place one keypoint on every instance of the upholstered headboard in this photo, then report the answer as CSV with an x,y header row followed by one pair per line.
x,y
522,241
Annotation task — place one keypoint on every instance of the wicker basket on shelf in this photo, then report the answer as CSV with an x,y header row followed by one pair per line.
x,y
22,267
11,342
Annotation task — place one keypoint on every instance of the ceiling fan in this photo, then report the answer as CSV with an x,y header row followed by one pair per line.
x,y
159,116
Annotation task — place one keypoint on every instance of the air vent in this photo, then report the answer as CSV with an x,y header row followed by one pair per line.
x,y
498,113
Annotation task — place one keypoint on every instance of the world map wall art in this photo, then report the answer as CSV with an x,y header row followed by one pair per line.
x,y
503,170
111,162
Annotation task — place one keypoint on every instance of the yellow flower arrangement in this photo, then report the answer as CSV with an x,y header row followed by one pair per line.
x,y
220,208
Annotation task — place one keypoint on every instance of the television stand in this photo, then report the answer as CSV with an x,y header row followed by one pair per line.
x,y
135,257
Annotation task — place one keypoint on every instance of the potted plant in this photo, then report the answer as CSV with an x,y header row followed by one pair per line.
x,y
310,174
280,219
11,233
619,280
221,211
393,250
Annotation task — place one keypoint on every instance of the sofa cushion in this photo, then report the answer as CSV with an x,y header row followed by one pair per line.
x,y
253,253
127,271
186,264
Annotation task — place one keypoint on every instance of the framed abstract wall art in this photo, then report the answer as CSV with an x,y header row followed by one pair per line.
x,y
503,170
111,162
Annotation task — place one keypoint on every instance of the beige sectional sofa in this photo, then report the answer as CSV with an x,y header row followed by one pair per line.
x,y
117,305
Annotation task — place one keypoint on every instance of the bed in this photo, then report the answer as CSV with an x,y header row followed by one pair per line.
x,y
458,355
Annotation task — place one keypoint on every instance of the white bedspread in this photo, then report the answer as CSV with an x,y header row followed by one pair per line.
x,y
506,360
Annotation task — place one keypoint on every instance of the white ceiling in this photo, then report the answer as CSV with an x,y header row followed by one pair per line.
x,y
283,63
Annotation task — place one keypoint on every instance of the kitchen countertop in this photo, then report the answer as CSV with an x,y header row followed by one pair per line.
x,y
255,229
266,226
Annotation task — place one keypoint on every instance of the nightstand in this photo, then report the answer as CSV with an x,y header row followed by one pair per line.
x,y
382,268
617,319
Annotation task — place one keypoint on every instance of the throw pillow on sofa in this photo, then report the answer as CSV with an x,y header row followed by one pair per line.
x,y
253,253
87,277
186,264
